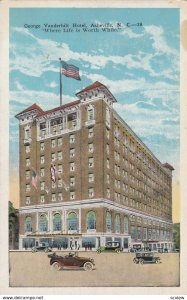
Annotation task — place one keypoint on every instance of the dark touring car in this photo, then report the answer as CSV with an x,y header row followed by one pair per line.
x,y
146,257
71,261
110,247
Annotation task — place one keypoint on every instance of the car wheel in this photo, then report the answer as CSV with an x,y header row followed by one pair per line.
x,y
118,251
141,261
98,251
33,250
88,266
157,261
135,261
56,266
46,250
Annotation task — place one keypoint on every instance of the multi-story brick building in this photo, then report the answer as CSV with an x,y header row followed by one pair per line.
x,y
86,178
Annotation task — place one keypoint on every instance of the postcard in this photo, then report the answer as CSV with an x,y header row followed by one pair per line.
x,y
96,119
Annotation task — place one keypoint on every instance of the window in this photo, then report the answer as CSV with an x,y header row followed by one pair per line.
x,y
72,221
149,234
42,172
53,185
108,193
43,223
72,166
72,152
90,132
139,233
27,149
91,220
27,175
28,200
90,112
53,156
72,138
132,232
108,222
59,168
145,233
91,177
117,224
108,163
59,182
60,198
28,187
53,197
107,133
126,224
42,185
42,198
57,222
59,155
72,181
27,162
107,149
108,116
42,160
90,147
90,162
60,141
53,143
27,133
108,178
72,195
28,224
90,192
42,146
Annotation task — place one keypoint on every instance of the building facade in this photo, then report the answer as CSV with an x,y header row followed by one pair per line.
x,y
86,178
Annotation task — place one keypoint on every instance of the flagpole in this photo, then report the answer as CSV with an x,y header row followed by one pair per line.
x,y
60,83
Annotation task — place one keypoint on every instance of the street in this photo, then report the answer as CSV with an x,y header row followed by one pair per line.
x,y
29,269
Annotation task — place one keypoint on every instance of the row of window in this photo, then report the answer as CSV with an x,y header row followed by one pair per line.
x,y
136,232
73,222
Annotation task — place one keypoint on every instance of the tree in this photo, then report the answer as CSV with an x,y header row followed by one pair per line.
x,y
13,224
176,235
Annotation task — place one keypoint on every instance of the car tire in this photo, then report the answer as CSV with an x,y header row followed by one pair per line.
x,y
98,251
157,261
56,266
46,250
135,260
141,261
118,251
33,250
88,266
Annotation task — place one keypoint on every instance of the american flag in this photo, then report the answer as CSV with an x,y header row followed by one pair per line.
x,y
34,179
70,70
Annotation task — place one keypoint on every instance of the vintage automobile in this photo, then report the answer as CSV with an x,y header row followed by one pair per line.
x,y
42,247
71,261
146,257
110,247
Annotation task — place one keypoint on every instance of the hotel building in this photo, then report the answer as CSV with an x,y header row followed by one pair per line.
x,y
86,178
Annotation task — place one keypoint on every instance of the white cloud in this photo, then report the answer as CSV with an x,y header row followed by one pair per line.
x,y
37,59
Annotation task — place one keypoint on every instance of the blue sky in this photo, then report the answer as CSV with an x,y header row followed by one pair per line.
x,y
139,65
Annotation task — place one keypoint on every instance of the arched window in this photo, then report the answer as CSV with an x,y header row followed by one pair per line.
x,y
28,224
108,222
91,220
57,222
126,224
72,221
43,223
117,224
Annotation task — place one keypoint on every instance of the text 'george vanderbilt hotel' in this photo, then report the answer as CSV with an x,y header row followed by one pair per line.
x,y
86,178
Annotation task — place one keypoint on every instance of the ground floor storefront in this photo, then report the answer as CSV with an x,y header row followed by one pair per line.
x,y
74,242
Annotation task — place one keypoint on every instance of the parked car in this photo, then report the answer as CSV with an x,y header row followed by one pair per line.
x,y
146,257
42,247
110,247
71,261
162,250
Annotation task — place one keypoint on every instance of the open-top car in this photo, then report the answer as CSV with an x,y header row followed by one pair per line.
x,y
42,247
146,257
71,261
110,247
